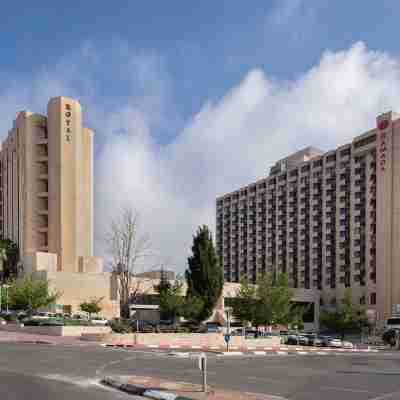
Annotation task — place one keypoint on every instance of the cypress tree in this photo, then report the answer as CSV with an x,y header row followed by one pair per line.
x,y
204,277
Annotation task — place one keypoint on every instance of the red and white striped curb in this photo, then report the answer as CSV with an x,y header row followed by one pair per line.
x,y
236,350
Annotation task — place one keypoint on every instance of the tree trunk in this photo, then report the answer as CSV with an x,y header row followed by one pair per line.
x,y
125,311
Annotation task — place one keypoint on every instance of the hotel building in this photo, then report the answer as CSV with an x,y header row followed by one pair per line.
x,y
46,201
330,220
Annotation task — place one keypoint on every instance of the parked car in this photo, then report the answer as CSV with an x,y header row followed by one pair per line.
x,y
213,328
292,339
79,316
43,315
251,333
389,336
313,340
237,332
325,340
337,343
347,345
99,321
303,340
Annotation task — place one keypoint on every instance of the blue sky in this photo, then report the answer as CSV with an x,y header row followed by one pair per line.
x,y
206,46
193,99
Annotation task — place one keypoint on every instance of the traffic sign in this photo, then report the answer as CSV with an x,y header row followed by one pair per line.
x,y
227,338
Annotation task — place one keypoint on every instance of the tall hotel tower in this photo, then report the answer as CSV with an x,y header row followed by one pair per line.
x,y
46,184
330,220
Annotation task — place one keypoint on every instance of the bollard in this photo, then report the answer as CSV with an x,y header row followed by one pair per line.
x,y
203,368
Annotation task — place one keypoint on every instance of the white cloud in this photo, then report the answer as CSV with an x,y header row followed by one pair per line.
x,y
228,143
234,141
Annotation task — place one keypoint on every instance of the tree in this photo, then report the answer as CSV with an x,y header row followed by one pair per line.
x,y
164,284
171,301
29,294
127,247
245,303
345,318
91,307
192,308
204,276
267,303
9,255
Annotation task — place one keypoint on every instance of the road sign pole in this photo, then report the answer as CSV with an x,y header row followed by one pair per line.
x,y
203,369
204,373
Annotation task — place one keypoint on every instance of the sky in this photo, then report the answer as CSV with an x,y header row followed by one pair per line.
x,y
190,100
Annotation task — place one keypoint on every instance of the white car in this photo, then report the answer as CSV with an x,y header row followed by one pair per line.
x,y
99,321
337,343
347,345
43,315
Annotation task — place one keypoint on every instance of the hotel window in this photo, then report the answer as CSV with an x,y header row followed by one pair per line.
x,y
332,157
373,298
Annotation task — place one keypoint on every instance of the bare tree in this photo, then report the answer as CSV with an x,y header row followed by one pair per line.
x,y
127,247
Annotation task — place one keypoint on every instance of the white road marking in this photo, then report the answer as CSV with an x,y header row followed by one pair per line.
x,y
387,396
342,389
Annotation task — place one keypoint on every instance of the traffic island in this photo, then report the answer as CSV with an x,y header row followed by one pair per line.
x,y
154,388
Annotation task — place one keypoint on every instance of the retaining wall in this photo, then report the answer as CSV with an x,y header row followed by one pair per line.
x,y
180,339
57,330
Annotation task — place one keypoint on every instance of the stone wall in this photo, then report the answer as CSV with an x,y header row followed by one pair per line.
x,y
181,339
57,330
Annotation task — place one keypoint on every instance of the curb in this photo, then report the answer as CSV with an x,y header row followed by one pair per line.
x,y
141,390
244,351
35,342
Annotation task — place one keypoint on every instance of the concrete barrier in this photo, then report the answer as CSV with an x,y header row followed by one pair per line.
x,y
73,331
181,340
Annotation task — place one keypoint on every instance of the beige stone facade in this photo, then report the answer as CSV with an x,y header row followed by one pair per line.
x,y
46,186
330,220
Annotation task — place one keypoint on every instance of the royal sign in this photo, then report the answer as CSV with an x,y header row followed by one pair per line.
x,y
67,118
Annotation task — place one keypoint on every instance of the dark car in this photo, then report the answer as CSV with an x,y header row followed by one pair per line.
x,y
389,336
293,339
313,339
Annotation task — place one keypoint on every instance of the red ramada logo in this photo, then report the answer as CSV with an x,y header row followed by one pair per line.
x,y
383,124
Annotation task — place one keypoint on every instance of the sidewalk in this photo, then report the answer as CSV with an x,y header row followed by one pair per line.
x,y
153,388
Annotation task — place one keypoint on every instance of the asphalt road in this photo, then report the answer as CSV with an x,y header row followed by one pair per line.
x,y
66,372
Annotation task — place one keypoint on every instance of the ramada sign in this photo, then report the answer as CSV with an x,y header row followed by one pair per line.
x,y
382,126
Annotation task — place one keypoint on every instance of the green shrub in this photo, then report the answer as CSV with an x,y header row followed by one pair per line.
x,y
120,326
10,317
